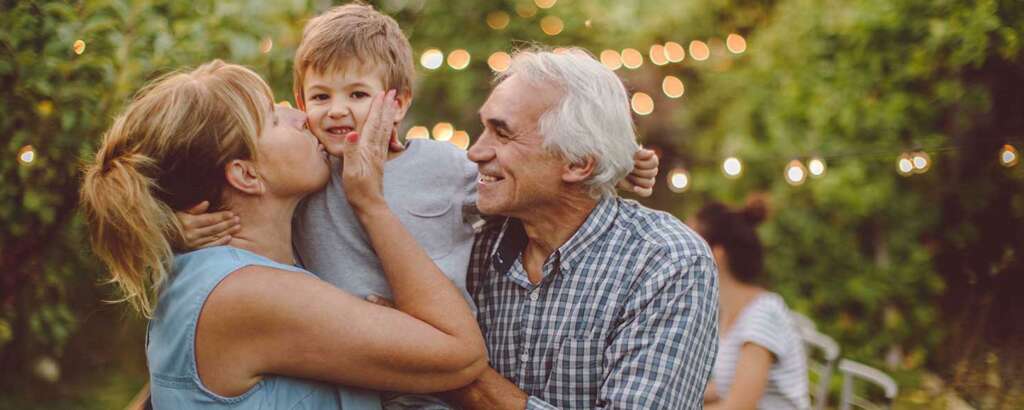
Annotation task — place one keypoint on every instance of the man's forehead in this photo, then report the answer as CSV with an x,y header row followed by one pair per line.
x,y
516,98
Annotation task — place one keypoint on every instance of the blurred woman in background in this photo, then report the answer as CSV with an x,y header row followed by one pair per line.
x,y
761,362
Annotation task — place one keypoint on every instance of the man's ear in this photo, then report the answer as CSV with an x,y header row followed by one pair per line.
x,y
243,176
579,171
404,99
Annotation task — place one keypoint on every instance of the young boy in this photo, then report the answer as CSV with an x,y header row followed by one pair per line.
x,y
348,55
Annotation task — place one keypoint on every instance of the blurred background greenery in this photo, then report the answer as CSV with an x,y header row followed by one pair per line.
x,y
917,274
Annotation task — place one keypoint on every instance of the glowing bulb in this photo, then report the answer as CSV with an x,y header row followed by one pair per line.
x,y
674,52
678,180
418,132
587,23
905,165
796,174
460,139
632,59
458,59
816,166
551,25
545,4
699,50
611,59
736,43
642,103
657,55
673,86
26,155
1008,156
499,61
266,45
498,20
443,131
432,59
921,162
526,10
78,47
732,167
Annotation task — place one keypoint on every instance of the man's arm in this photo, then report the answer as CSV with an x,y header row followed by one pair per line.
x,y
662,354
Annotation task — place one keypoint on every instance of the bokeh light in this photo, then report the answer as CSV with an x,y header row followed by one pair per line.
x,y
611,59
699,50
545,4
632,59
418,132
736,43
499,61
1008,156
672,86
674,52
642,103
816,166
795,173
551,25
44,108
443,131
905,165
732,167
78,47
458,59
498,20
26,155
657,55
922,162
526,10
678,180
460,139
432,59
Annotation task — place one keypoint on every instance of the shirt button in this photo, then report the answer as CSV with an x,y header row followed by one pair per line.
x,y
524,357
534,295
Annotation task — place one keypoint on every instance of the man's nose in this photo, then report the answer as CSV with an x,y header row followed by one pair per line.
x,y
481,151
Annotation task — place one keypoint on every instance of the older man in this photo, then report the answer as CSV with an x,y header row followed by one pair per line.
x,y
585,300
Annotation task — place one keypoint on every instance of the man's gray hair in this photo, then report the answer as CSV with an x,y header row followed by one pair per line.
x,y
592,119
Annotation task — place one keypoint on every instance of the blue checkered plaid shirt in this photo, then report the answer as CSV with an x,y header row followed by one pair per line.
x,y
626,315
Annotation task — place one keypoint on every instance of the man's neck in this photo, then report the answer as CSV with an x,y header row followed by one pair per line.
x,y
266,227
549,228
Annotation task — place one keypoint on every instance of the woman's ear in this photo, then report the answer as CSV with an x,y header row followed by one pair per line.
x,y
404,99
579,171
243,176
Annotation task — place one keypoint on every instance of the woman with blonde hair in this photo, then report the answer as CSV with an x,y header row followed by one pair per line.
x,y
240,325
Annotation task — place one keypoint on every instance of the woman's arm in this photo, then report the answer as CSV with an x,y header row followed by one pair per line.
x,y
748,384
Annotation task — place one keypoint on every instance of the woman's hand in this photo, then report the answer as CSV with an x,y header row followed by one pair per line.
x,y
204,230
645,170
363,155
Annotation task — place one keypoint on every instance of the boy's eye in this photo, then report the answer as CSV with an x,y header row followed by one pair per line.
x,y
360,94
318,97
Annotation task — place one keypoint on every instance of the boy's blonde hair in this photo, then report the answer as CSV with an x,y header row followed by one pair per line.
x,y
165,153
353,32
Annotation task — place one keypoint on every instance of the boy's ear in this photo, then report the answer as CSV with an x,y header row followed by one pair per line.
x,y
579,171
243,176
299,101
404,99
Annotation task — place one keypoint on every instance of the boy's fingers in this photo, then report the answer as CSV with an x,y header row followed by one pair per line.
x,y
219,229
207,220
644,172
199,208
211,242
644,154
641,182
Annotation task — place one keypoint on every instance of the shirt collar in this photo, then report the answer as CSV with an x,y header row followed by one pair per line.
x,y
512,239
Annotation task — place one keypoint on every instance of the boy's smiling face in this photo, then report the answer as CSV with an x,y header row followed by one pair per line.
x,y
338,102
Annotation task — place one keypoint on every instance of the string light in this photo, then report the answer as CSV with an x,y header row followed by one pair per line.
x,y
632,59
699,50
736,43
1008,156
732,167
611,59
674,52
672,86
551,25
545,4
458,59
418,132
498,20
499,61
795,173
921,162
26,155
266,45
816,166
905,165
678,180
460,139
526,10
642,103
432,59
443,131
78,47
657,55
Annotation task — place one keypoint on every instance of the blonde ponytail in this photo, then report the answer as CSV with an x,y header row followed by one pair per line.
x,y
167,152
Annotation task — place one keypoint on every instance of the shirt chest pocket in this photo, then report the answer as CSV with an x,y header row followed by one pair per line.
x,y
577,372
430,217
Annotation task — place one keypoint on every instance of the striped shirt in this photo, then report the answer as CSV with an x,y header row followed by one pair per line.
x,y
765,322
625,316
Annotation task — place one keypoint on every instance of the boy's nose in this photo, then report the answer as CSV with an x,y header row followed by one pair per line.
x,y
337,110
